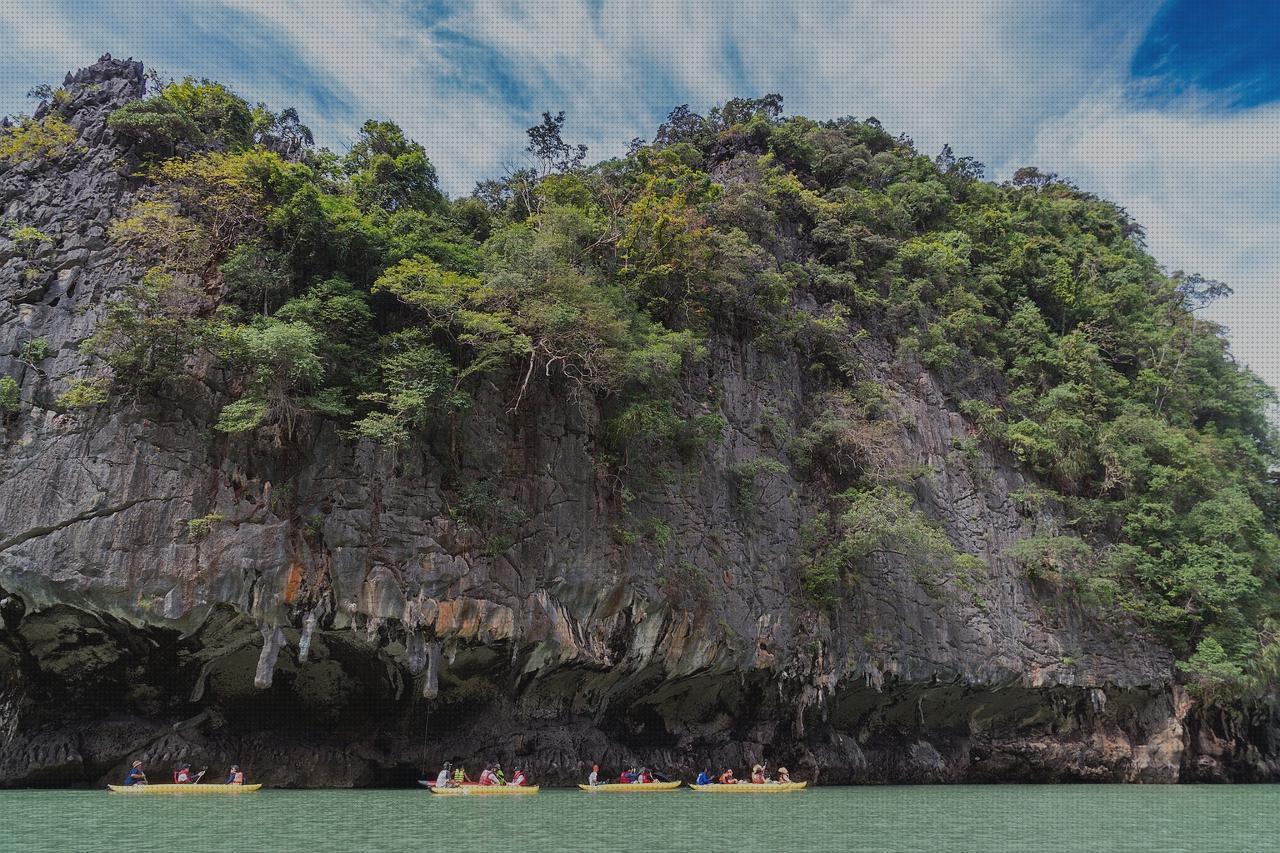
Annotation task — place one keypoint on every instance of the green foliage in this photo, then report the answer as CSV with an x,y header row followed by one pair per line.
x,y
9,399
28,239
147,334
685,586
36,140
35,351
199,528
1050,557
187,113
747,476
883,520
853,435
256,277
389,171
483,508
86,393
877,522
284,376
1211,669
421,385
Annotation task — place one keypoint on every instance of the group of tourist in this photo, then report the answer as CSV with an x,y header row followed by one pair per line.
x,y
631,776
453,777
183,775
759,776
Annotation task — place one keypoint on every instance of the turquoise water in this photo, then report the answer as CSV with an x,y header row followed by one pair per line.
x,y
962,818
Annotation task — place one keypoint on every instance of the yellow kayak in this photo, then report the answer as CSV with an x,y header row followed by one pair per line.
x,y
631,788
166,788
749,788
487,791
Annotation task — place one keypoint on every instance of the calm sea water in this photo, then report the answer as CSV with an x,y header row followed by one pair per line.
x,y
963,818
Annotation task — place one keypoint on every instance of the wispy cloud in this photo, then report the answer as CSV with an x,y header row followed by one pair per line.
x,y
1118,97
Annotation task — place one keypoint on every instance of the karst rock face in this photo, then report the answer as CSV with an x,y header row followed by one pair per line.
x,y
334,622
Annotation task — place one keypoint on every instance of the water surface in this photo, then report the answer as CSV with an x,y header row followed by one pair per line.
x,y
927,818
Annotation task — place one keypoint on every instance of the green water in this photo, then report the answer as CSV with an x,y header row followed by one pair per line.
x,y
962,818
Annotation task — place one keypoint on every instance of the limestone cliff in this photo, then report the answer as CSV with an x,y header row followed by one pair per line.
x,y
331,620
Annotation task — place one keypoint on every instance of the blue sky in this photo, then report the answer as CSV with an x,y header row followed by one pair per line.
x,y
1171,109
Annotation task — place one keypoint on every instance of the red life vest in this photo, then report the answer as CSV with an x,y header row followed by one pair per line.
x,y
518,780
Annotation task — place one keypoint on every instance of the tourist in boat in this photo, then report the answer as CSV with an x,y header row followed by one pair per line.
x,y
628,776
644,778
757,775
445,777
135,776
784,777
460,777
184,776
488,777
726,778
236,776
705,777
594,778
518,779
498,777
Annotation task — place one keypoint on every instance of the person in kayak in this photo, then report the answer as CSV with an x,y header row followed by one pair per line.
x,y
518,779
184,776
236,776
460,777
498,777
644,778
784,776
487,776
594,778
705,777
726,778
445,778
628,776
757,775
135,776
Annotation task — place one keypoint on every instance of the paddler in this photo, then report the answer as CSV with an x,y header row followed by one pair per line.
x,y
784,776
518,779
445,778
135,776
184,776
487,776
726,778
594,778
705,777
236,776
757,775
460,777
498,777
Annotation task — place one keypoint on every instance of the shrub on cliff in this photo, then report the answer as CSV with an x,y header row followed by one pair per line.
x,y
36,140
187,113
9,400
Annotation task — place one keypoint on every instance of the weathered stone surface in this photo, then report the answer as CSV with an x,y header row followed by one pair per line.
x,y
382,634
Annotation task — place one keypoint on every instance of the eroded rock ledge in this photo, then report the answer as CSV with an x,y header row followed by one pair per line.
x,y
89,691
